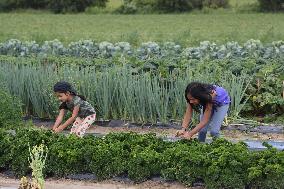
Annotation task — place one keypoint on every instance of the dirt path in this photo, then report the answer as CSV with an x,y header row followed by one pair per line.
x,y
8,183
230,135
170,132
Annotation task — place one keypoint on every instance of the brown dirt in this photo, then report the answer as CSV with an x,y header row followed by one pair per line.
x,y
108,184
171,133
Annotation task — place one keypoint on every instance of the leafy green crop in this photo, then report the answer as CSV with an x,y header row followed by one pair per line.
x,y
220,164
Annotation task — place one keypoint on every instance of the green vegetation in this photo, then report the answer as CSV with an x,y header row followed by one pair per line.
x,y
108,74
143,83
37,160
220,164
62,6
10,108
118,92
187,29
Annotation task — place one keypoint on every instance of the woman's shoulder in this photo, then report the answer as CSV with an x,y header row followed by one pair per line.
x,y
219,89
77,100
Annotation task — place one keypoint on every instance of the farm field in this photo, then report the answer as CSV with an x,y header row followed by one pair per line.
x,y
133,61
186,29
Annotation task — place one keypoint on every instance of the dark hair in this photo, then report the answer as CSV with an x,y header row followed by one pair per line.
x,y
64,87
200,91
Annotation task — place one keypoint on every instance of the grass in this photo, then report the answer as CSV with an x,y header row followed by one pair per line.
x,y
234,4
114,3
241,3
238,23
188,29
111,6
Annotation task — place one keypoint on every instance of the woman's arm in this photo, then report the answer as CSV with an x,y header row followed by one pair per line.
x,y
187,117
186,120
59,119
203,122
70,120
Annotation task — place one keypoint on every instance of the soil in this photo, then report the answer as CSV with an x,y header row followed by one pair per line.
x,y
9,183
170,131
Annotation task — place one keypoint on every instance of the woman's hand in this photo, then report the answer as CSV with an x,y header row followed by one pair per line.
x,y
58,129
180,132
54,128
187,135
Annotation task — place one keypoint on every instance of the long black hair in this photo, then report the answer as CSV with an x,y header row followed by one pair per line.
x,y
64,87
200,91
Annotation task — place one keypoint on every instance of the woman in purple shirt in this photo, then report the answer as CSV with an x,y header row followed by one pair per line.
x,y
213,102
